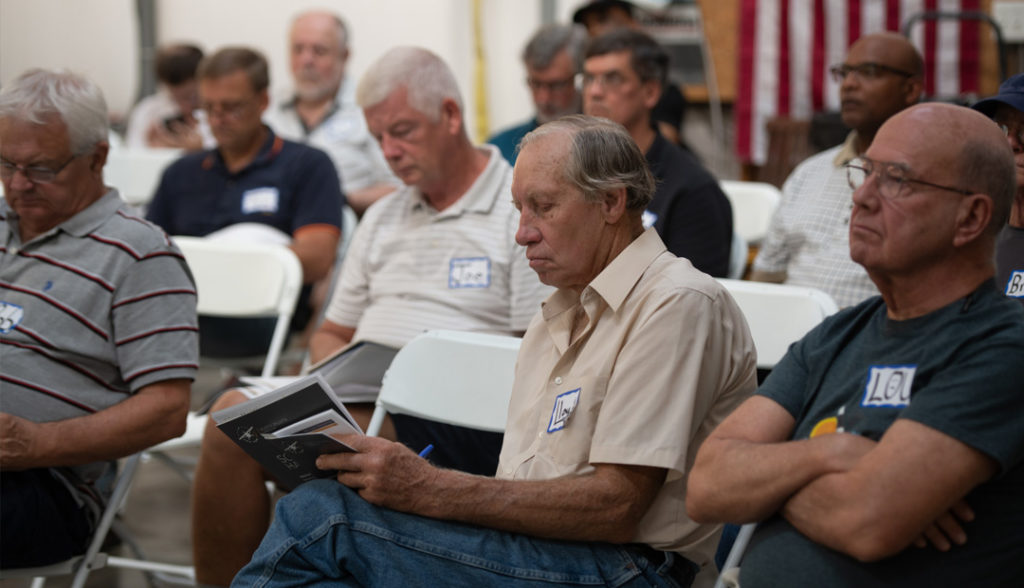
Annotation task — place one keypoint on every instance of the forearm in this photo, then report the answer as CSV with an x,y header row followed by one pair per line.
x,y
316,248
741,481
327,339
604,506
154,414
360,200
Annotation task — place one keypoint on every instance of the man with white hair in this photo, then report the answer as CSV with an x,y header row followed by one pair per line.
x,y
610,401
321,112
552,59
439,253
98,329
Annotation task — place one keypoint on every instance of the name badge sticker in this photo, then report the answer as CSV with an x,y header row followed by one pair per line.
x,y
1015,285
469,272
889,385
565,404
10,316
260,201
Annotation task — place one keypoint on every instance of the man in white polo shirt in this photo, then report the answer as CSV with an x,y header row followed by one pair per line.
x,y
439,253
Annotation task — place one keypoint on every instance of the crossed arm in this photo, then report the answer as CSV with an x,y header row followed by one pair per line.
x,y
869,500
153,414
606,505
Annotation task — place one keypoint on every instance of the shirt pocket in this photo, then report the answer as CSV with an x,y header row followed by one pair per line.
x,y
568,423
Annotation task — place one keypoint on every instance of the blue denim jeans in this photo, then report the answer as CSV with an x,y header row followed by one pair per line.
x,y
324,534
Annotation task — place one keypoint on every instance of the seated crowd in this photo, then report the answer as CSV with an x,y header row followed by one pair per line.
x,y
885,448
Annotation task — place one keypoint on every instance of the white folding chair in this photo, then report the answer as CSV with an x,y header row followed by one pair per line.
x,y
136,172
753,204
450,377
778,314
737,256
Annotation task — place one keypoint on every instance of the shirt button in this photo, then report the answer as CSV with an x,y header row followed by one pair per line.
x,y
558,381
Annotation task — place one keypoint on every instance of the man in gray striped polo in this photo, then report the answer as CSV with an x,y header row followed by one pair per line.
x,y
98,341
438,253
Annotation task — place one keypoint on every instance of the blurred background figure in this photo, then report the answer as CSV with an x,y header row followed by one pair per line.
x,y
167,118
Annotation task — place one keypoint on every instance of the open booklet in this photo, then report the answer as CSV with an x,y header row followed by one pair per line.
x,y
353,372
287,429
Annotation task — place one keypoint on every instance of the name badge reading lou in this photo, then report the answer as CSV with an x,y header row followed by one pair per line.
x,y
889,385
469,272
260,201
10,316
565,404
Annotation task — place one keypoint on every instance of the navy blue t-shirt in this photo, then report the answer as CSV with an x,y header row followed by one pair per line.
x,y
959,370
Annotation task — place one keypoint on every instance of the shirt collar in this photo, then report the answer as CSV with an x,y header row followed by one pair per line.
x,y
848,151
86,221
481,196
270,149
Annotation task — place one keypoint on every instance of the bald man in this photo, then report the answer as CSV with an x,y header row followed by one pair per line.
x,y
887,447
807,243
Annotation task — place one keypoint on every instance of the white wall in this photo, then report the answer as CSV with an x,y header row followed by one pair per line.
x,y
99,38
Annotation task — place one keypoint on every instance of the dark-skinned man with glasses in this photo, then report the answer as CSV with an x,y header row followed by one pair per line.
x,y
807,241
1007,109
887,447
552,58
98,342
274,189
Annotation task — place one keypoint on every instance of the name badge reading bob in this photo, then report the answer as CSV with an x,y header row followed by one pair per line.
x,y
469,272
260,201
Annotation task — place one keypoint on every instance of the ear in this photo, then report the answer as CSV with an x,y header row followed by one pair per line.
x,y
614,206
99,156
972,219
652,93
913,89
263,99
451,116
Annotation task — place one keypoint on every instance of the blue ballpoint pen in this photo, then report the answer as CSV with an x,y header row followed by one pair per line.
x,y
426,450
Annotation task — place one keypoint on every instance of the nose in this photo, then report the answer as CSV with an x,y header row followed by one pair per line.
x,y
867,193
527,233
389,147
18,181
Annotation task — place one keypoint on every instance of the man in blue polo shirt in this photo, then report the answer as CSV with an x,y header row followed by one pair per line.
x,y
253,176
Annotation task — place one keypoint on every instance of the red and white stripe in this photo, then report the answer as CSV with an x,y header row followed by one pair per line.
x,y
787,46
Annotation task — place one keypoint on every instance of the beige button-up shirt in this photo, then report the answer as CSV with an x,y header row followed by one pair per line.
x,y
637,370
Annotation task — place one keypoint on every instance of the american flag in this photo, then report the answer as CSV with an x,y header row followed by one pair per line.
x,y
787,46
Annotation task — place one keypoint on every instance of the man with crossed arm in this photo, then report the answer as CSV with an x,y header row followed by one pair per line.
x,y
887,447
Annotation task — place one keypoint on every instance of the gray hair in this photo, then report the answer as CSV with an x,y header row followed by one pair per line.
x,y
989,168
551,40
38,94
427,80
602,157
341,29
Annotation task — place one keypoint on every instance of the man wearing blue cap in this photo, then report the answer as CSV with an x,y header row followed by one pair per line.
x,y
1007,109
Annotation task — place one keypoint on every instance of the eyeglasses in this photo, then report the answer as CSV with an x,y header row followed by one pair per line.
x,y
35,173
553,86
890,178
227,109
1012,130
612,80
865,71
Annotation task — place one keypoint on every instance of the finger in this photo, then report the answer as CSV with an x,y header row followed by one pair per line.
x,y
920,541
963,511
951,528
337,461
936,538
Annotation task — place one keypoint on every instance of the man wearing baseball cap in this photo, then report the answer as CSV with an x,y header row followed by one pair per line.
x,y
1007,110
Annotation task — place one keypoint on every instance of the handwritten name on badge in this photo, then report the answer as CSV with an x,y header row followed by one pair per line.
x,y
10,316
889,385
565,404
1015,285
260,201
469,272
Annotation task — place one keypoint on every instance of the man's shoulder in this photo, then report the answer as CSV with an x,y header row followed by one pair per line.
x,y
513,133
681,168
127,230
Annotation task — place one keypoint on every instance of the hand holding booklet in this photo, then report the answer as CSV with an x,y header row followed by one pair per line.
x,y
292,421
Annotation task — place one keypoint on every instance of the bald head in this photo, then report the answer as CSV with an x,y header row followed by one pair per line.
x,y
318,48
880,77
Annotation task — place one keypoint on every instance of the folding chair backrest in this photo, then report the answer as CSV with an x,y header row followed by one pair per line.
x,y
753,204
451,377
136,172
245,280
778,314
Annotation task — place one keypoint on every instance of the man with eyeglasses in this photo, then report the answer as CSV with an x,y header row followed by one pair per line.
x,y
98,342
1007,109
887,447
624,72
552,58
807,243
320,109
277,190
